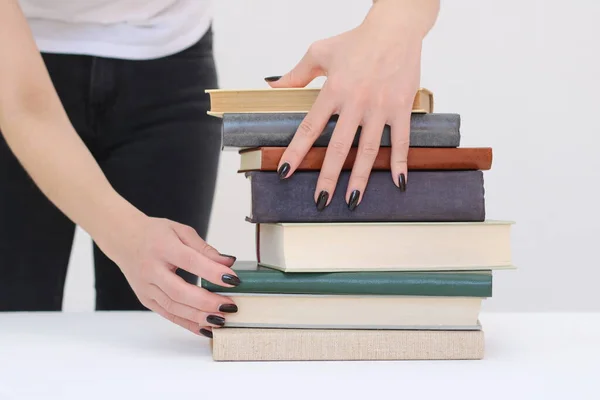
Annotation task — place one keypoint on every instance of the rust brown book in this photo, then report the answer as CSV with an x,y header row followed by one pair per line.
x,y
419,158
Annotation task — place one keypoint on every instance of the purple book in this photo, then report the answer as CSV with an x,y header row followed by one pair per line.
x,y
440,196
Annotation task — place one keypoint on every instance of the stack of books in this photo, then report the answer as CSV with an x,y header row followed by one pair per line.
x,y
401,277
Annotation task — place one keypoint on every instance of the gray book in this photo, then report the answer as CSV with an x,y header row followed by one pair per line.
x,y
430,196
277,130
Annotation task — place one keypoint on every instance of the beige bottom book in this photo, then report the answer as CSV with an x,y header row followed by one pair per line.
x,y
273,344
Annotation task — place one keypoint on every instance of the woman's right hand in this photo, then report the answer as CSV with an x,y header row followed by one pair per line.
x,y
150,250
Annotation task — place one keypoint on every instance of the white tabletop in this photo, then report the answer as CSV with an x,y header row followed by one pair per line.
x,y
141,356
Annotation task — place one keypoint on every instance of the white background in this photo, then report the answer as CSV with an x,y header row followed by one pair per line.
x,y
524,77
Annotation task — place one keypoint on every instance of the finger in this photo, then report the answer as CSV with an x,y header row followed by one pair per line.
x,y
335,155
196,263
206,331
192,295
308,131
190,237
184,323
307,69
184,311
368,147
400,138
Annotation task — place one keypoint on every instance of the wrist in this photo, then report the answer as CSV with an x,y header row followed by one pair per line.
x,y
113,220
405,16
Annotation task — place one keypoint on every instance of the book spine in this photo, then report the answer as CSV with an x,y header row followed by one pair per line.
x,y
277,130
431,196
255,344
447,284
421,159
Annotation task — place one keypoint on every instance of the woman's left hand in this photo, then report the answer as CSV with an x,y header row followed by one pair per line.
x,y
373,74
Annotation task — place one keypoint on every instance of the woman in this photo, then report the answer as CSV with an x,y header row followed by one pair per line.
x,y
107,129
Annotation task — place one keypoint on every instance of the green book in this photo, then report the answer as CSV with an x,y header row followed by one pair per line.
x,y
259,279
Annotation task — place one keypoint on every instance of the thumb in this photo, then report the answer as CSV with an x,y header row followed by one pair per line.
x,y
307,69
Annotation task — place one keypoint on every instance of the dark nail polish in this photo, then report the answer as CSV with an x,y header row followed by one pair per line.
x,y
228,308
231,279
272,78
402,182
283,170
206,333
322,200
353,203
215,320
228,256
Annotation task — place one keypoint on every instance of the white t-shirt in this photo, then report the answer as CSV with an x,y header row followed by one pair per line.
x,y
130,29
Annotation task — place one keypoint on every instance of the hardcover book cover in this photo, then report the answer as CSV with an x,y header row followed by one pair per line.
x,y
242,130
430,196
419,159
394,283
256,344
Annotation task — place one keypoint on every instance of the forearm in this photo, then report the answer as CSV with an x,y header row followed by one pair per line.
x,y
41,136
417,16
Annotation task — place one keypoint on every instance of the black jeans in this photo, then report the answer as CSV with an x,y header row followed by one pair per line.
x,y
145,123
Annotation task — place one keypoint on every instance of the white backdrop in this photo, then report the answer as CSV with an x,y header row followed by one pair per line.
x,y
524,77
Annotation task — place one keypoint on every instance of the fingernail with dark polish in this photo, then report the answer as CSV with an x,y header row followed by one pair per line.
x,y
206,333
272,78
228,308
402,182
215,320
283,170
228,256
354,196
231,279
322,200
